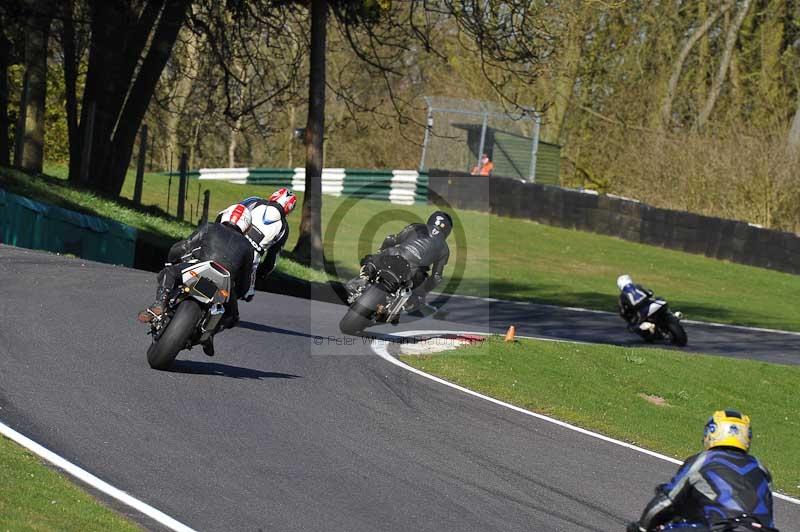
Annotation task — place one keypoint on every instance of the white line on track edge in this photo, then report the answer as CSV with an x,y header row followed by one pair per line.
x,y
379,347
93,481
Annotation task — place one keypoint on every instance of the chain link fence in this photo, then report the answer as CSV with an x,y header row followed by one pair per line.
x,y
459,131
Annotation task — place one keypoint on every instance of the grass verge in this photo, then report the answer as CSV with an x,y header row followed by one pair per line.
x,y
149,217
35,497
498,257
613,390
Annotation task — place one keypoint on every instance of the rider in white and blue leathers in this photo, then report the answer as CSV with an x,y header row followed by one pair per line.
x,y
269,234
632,299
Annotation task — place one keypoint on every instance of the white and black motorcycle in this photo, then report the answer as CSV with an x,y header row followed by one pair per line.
x,y
192,315
658,323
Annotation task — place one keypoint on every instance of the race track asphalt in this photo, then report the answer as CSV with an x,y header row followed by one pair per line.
x,y
286,429
605,327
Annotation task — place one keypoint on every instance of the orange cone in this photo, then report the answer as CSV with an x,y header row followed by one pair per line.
x,y
510,333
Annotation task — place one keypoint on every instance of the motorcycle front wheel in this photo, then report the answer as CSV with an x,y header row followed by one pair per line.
x,y
163,351
361,313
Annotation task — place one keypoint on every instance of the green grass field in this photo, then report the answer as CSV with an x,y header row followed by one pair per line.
x,y
605,388
36,497
499,257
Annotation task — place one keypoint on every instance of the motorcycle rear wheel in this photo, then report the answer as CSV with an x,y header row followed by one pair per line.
x,y
677,335
163,351
361,313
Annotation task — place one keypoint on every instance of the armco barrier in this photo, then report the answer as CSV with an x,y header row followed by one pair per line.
x,y
31,224
332,180
624,218
397,186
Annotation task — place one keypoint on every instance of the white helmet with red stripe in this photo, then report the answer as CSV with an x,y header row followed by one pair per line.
x,y
237,215
285,198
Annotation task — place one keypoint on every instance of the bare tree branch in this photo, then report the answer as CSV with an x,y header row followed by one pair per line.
x,y
697,34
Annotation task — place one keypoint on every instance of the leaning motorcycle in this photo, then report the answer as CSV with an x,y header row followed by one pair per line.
x,y
192,314
658,323
743,522
381,298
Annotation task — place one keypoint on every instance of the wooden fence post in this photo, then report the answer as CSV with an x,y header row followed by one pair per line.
x,y
137,189
206,202
182,186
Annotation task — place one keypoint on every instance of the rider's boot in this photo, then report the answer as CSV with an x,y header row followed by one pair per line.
x,y
208,346
353,286
413,304
156,309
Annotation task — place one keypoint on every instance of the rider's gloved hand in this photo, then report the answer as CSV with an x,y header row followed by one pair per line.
x,y
634,527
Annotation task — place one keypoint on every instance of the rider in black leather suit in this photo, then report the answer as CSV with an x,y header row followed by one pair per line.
x,y
223,243
425,248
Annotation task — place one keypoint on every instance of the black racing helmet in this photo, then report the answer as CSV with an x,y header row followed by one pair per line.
x,y
440,223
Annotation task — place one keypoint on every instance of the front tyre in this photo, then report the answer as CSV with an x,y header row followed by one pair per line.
x,y
163,351
677,335
361,313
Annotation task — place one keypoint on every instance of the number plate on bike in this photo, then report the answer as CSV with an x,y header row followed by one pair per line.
x,y
205,288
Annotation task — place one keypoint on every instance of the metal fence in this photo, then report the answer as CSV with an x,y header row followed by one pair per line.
x,y
458,132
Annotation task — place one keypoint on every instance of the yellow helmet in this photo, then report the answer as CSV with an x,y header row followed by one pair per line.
x,y
728,428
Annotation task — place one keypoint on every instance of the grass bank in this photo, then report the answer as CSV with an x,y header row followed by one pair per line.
x,y
493,256
35,497
614,390
150,216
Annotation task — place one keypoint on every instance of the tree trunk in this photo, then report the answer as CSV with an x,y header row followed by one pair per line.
x,y
309,243
70,80
291,135
36,34
793,140
122,75
566,77
773,41
672,85
19,127
105,24
141,91
701,74
193,145
724,65
5,58
183,90
233,143
737,93
119,38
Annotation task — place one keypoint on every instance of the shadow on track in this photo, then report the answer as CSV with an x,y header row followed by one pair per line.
x,y
268,328
195,367
371,335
